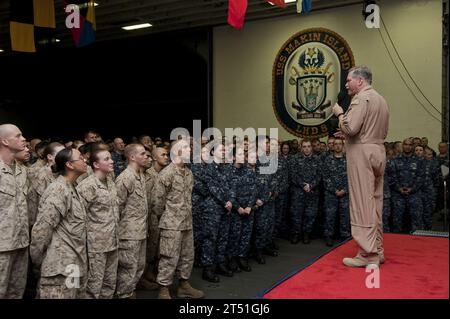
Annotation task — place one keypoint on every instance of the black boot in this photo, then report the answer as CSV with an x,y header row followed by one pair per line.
x,y
274,245
243,264
270,252
233,265
222,269
284,235
295,239
197,263
208,274
329,241
306,239
260,258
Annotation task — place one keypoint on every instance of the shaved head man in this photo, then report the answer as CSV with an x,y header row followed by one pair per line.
x,y
11,142
160,158
135,153
133,208
13,215
119,145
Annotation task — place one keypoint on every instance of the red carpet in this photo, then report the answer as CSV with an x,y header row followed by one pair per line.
x,y
416,267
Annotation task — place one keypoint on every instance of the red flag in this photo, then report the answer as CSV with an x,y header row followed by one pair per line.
x,y
236,12
84,34
279,3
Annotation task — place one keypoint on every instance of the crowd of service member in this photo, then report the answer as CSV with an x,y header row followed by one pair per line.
x,y
99,219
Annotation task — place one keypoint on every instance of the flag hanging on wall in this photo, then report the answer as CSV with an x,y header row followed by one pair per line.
x,y
81,21
238,8
32,24
279,3
236,13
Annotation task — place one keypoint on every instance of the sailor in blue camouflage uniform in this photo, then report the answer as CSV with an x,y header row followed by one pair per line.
x,y
281,202
320,218
409,179
389,180
306,177
316,150
296,194
216,217
244,183
443,159
117,155
432,180
199,194
330,145
265,216
334,175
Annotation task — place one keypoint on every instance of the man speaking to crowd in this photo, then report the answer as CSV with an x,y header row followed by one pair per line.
x,y
365,126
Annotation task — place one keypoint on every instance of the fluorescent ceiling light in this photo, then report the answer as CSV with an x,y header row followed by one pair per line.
x,y
137,26
58,40
1,50
95,4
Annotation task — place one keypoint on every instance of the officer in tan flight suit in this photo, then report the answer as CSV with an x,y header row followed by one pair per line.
x,y
365,126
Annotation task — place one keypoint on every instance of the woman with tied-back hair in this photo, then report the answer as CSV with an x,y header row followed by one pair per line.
x,y
42,178
58,238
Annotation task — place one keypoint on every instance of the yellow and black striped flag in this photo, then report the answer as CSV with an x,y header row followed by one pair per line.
x,y
32,24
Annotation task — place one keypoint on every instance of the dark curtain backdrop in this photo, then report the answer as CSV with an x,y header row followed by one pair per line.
x,y
119,88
